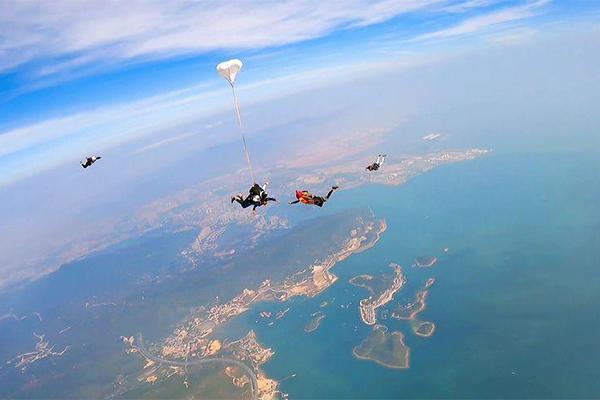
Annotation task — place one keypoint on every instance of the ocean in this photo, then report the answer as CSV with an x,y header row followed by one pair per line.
x,y
514,302
515,299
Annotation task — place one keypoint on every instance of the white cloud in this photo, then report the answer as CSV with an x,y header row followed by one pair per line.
x,y
485,21
512,37
165,142
68,34
468,5
66,138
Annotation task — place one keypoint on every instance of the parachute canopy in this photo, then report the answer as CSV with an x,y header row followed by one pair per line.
x,y
230,69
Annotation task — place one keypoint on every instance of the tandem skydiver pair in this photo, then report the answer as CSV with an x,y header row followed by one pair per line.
x,y
258,196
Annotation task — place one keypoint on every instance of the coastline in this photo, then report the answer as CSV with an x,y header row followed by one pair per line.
x,y
397,336
193,337
421,301
368,307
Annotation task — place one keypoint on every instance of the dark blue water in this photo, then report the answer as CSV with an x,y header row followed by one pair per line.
x,y
516,298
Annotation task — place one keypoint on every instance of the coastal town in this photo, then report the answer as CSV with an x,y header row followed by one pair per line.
x,y
194,338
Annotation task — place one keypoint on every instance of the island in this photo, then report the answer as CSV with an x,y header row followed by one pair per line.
x,y
429,283
314,323
425,329
411,310
425,262
387,349
43,349
381,292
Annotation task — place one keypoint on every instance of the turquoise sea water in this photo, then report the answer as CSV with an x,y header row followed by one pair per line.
x,y
515,301
516,298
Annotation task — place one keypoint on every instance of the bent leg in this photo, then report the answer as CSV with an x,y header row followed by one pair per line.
x,y
330,192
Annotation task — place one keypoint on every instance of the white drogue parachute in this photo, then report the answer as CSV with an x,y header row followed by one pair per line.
x,y
230,70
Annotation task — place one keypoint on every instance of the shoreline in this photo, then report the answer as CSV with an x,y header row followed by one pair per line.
x,y
392,336
368,307
420,262
421,301
422,324
188,338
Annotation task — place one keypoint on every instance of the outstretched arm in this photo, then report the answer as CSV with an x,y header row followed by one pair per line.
x,y
271,199
294,202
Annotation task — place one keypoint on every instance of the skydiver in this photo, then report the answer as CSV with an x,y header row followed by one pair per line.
x,y
378,163
89,161
257,196
304,196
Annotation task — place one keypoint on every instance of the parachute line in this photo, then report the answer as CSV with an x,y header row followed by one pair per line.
x,y
236,106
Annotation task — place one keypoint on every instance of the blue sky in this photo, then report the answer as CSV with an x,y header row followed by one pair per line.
x,y
87,75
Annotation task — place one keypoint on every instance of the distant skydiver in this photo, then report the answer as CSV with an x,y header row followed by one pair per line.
x,y
257,196
378,163
303,196
89,161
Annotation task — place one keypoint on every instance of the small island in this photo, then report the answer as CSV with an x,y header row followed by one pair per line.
x,y
424,329
387,349
425,262
313,325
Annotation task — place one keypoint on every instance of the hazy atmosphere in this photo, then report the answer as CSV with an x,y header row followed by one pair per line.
x,y
487,114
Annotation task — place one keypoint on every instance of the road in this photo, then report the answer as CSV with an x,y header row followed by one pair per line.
x,y
217,360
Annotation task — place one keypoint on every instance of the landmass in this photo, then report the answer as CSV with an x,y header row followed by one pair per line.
x,y
387,349
43,349
16,317
411,310
249,350
314,323
425,329
425,262
194,338
379,296
307,282
351,174
241,360
202,206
